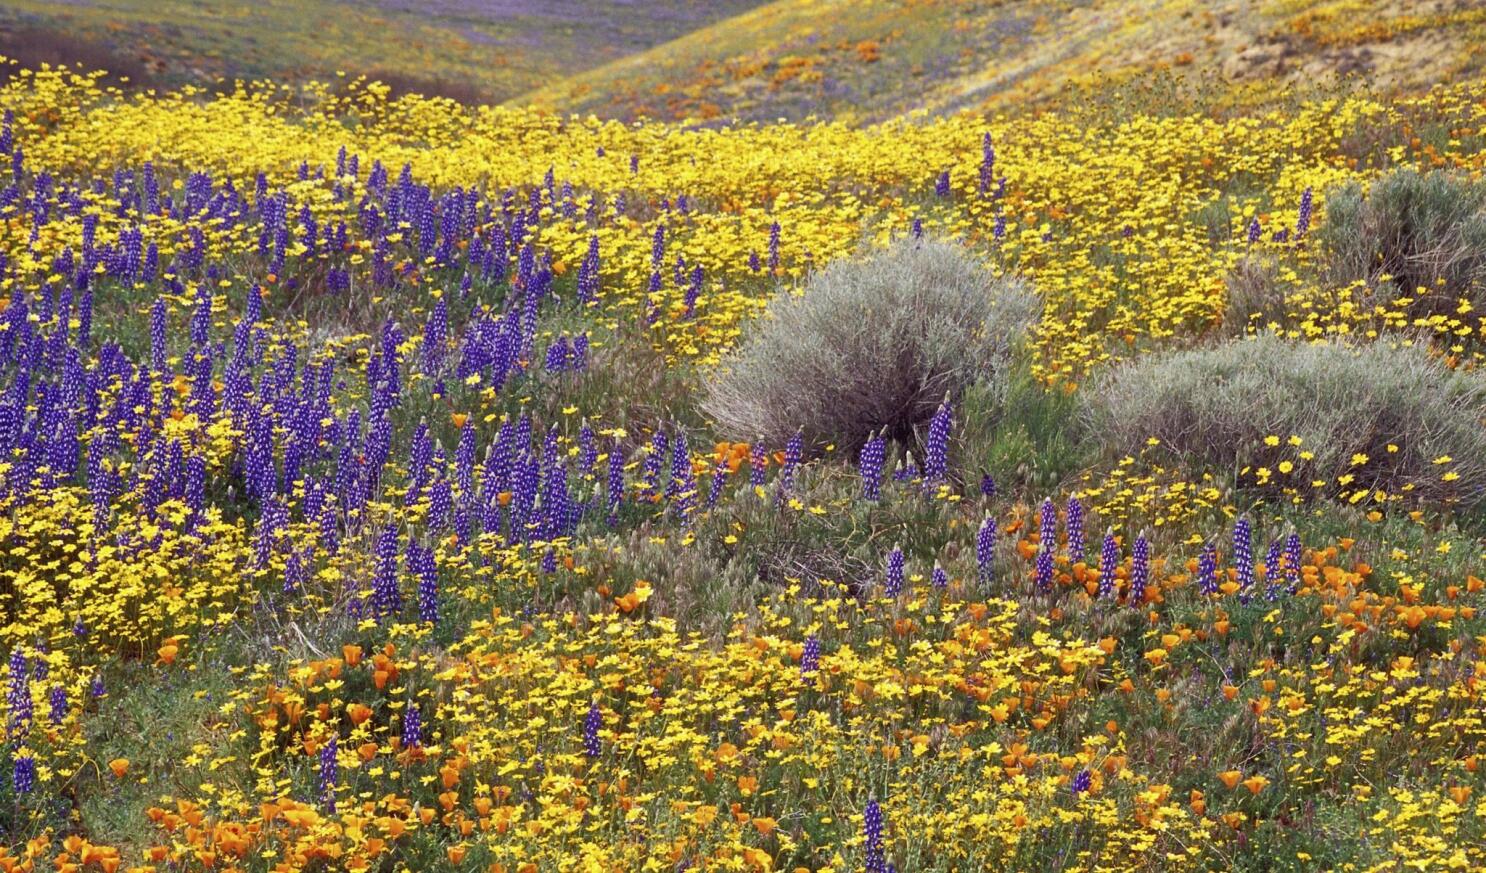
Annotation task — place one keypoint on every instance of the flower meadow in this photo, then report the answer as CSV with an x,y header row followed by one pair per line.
x,y
357,511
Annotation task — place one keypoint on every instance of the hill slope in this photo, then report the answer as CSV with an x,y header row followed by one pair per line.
x,y
873,59
476,50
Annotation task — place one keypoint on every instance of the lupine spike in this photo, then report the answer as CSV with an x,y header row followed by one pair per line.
x,y
872,825
591,725
1109,562
874,453
894,585
1207,570
985,550
1243,554
1140,570
810,657
1272,570
329,773
1075,526
936,446
1047,526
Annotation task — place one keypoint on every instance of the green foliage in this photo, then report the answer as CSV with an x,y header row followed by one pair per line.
x,y
1028,440
873,343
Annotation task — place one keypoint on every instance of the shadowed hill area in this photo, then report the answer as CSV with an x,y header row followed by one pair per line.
x,y
472,50
872,59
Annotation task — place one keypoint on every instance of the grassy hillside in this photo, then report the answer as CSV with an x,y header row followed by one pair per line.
x,y
469,49
873,59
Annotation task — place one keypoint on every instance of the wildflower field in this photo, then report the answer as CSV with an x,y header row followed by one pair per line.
x,y
362,508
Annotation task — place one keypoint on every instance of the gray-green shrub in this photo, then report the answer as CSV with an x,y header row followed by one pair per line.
x,y
1416,229
1217,405
873,343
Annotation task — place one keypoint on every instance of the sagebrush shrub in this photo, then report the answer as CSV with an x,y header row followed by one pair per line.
x,y
1224,406
872,343
1409,230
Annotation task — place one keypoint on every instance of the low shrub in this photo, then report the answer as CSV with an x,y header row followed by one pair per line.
x,y
1410,230
1375,416
872,344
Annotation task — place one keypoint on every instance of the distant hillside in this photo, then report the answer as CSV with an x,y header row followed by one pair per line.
x,y
872,59
474,50
852,60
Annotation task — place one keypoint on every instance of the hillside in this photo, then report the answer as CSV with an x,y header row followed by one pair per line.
x,y
863,60
473,50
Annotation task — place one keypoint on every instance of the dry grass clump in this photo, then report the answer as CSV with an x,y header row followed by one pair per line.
x,y
873,343
1375,416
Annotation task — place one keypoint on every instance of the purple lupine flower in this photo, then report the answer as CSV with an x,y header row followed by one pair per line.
x,y
1075,526
23,777
1082,781
579,361
588,273
938,578
421,563
615,485
941,185
18,697
719,478
588,449
557,355
876,858
794,452
386,595
1207,570
694,292
683,485
1044,569
757,460
774,247
985,550
59,707
329,773
1140,570
655,460
1243,554
987,486
810,658
894,585
412,728
294,572
998,228
874,453
1272,570
916,229
1254,230
658,246
1292,561
591,725
1047,526
1303,220
1109,562
936,446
